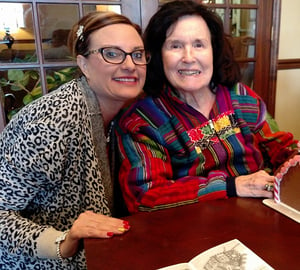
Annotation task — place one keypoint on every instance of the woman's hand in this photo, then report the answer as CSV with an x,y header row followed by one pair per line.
x,y
254,185
91,225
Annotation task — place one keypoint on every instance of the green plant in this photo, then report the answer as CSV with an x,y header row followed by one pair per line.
x,y
29,82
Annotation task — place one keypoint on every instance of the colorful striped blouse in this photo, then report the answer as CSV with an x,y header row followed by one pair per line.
x,y
172,155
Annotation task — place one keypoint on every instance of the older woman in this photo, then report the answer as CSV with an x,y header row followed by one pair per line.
x,y
200,134
55,183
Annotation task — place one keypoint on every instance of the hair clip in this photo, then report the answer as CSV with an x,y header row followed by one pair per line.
x,y
79,32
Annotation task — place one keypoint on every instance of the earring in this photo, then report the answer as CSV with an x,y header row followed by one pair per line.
x,y
212,87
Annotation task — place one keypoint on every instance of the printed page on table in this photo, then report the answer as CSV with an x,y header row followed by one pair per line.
x,y
229,255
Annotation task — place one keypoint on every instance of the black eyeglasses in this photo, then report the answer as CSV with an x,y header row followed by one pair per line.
x,y
115,55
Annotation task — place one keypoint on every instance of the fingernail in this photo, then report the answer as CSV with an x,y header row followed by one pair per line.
x,y
110,234
121,229
125,222
126,226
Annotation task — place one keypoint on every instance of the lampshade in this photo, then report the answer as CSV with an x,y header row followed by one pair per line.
x,y
11,16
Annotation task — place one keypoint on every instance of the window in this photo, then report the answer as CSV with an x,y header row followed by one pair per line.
x,y
34,58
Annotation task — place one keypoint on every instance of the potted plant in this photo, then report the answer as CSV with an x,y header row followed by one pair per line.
x,y
28,82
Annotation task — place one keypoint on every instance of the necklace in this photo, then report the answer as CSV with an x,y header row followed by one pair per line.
x,y
109,131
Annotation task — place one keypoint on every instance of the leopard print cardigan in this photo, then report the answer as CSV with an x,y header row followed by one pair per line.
x,y
49,174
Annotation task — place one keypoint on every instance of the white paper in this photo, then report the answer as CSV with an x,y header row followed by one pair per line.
x,y
231,255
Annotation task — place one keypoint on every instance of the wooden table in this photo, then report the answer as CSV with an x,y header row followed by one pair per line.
x,y
175,235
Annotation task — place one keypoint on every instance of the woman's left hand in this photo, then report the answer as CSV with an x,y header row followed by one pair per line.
x,y
255,185
91,225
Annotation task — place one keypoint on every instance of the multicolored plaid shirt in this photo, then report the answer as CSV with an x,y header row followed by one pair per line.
x,y
171,154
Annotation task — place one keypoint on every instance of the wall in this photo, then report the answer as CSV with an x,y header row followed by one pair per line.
x,y
287,103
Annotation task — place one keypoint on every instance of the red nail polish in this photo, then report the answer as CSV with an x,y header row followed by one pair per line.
x,y
126,226
125,222
110,234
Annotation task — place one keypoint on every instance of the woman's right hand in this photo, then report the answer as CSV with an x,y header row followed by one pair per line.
x,y
254,185
91,225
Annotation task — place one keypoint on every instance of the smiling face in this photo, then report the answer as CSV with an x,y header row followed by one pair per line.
x,y
114,83
187,55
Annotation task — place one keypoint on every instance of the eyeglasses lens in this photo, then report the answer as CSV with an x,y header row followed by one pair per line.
x,y
117,56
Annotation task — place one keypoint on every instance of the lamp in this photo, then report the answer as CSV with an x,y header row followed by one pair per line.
x,y
8,39
11,19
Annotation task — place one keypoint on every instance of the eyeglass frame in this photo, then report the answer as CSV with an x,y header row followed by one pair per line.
x,y
100,50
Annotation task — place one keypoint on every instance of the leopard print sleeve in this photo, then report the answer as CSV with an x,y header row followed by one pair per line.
x,y
42,171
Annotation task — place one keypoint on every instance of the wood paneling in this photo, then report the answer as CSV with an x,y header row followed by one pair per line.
x,y
288,64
